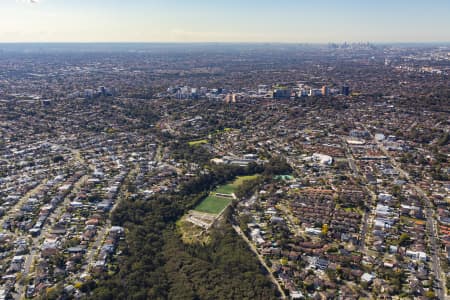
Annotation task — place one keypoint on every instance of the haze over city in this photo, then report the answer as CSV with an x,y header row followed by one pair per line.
x,y
224,21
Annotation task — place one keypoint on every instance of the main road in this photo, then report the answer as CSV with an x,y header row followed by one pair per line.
x,y
368,213
261,260
440,289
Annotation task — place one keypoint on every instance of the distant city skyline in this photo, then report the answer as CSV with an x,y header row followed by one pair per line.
x,y
280,21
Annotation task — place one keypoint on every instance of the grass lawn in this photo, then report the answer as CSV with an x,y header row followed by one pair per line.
x,y
191,234
231,187
213,204
226,189
199,142
240,180
412,220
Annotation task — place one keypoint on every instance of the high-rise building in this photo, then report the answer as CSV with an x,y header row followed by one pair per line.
x,y
345,90
262,89
314,92
325,91
103,91
282,93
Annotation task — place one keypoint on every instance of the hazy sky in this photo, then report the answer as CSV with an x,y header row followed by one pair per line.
x,y
224,20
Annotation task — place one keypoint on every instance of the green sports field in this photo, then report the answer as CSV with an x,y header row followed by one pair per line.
x,y
232,187
240,180
197,143
213,204
226,189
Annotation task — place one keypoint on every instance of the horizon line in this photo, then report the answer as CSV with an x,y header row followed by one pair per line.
x,y
226,42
